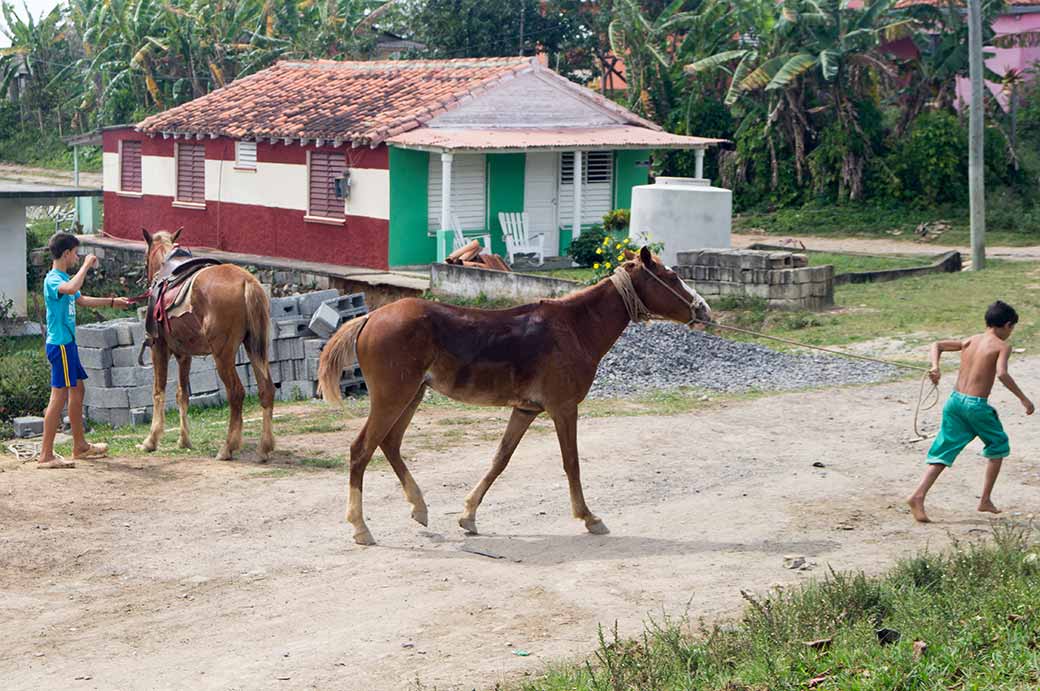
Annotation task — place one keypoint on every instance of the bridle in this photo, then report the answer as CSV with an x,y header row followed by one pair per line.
x,y
143,297
637,310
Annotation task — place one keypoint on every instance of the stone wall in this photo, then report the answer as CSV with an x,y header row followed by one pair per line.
x,y
119,391
783,279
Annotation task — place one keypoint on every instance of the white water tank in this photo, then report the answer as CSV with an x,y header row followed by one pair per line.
x,y
684,214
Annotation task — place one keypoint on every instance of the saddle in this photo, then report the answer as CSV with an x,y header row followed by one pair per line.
x,y
171,288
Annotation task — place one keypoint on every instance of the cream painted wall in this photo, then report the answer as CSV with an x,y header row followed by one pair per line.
x,y
369,193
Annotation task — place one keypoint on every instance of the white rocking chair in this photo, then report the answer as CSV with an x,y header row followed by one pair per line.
x,y
515,232
459,240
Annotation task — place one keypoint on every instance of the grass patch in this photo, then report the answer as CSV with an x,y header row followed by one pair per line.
x,y
1009,221
976,608
481,301
922,307
853,263
579,274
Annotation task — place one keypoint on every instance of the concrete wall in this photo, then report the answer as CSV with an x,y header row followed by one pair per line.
x,y
782,279
468,282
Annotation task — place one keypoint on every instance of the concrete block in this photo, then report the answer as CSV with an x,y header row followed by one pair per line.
x,y
312,347
206,400
822,273
325,321
291,328
818,289
204,363
309,302
288,349
285,307
688,258
140,396
98,377
118,417
100,335
95,358
803,275
354,301
124,330
141,416
105,397
241,357
125,356
295,390
204,381
758,290
310,369
130,376
137,331
28,426
799,260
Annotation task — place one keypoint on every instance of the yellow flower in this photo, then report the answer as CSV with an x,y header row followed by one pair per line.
x,y
596,265
621,257
607,265
628,241
617,246
606,241
599,250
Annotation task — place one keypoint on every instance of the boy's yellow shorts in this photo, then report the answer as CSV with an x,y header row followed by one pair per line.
x,y
963,419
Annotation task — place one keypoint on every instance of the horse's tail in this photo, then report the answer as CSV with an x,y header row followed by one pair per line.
x,y
338,354
258,320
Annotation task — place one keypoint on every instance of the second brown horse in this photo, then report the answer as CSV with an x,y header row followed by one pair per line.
x,y
535,358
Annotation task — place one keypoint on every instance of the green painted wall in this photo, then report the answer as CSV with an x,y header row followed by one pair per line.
x,y
409,181
627,175
505,192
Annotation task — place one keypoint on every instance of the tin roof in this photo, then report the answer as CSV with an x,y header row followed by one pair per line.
x,y
546,139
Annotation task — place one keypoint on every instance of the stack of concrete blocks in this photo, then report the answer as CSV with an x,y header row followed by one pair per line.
x,y
119,391
783,279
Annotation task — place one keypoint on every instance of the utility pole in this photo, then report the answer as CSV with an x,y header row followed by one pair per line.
x,y
521,53
976,162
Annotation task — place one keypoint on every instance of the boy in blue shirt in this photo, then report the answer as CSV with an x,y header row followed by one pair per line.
x,y
61,294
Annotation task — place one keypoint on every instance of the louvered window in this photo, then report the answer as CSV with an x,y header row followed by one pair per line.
x,y
245,155
597,187
468,191
325,169
191,173
130,167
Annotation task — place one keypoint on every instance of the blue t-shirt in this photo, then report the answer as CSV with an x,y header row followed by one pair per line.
x,y
61,309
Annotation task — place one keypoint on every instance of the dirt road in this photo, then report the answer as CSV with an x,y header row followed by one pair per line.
x,y
881,246
151,573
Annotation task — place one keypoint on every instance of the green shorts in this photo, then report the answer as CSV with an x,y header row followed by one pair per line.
x,y
963,419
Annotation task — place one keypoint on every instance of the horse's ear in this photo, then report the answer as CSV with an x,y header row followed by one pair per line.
x,y
629,255
646,257
147,236
177,233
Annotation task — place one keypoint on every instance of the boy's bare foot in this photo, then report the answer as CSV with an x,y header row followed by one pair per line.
x,y
917,509
54,463
988,507
91,451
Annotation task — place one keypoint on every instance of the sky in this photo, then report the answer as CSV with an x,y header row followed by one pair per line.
x,y
36,7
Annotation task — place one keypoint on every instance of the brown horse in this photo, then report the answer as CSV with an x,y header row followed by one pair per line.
x,y
228,308
535,358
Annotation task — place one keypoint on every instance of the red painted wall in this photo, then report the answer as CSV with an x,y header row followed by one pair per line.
x,y
251,229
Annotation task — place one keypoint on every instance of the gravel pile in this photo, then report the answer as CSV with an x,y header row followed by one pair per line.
x,y
663,355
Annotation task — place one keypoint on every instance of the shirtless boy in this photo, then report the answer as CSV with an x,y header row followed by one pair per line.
x,y
967,414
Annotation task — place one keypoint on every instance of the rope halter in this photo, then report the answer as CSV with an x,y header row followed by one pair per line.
x,y
637,310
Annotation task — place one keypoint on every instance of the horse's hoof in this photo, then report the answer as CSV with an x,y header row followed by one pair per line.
x,y
364,538
469,525
148,445
420,516
184,444
597,527
224,455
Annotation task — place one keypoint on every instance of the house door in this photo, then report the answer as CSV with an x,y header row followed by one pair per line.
x,y
540,198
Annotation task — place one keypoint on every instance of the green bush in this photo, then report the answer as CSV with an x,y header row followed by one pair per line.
x,y
930,165
24,378
583,248
617,221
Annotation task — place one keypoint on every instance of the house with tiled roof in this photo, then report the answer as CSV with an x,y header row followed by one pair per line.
x,y
363,163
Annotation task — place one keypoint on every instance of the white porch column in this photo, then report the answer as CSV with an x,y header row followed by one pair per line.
x,y
576,223
12,258
446,159
699,163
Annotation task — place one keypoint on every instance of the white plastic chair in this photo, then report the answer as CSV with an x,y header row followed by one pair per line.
x,y
518,240
459,240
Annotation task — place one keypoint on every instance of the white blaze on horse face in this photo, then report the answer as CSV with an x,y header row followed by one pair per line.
x,y
694,295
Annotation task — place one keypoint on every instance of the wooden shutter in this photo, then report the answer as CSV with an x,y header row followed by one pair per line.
x,y
245,154
191,173
326,166
597,189
130,167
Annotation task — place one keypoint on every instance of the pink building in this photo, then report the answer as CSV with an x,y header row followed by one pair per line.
x,y
1020,17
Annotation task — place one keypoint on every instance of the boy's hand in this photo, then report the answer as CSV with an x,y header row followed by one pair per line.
x,y
122,303
934,374
89,262
1028,406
